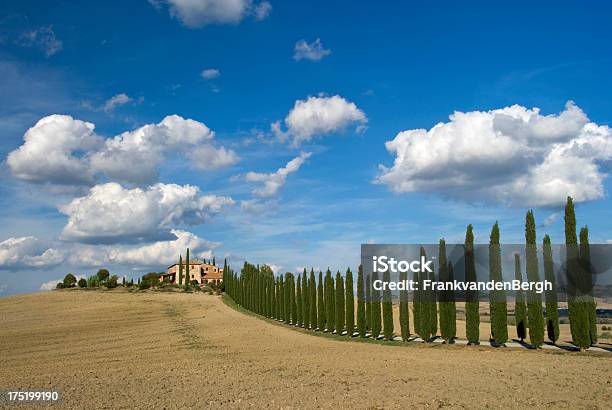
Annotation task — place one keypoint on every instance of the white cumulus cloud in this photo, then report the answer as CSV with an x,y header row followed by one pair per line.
x,y
53,152
513,155
110,213
65,151
314,51
210,73
318,116
272,182
27,252
198,13
115,101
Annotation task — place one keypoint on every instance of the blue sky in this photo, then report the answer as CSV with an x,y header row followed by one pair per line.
x,y
376,70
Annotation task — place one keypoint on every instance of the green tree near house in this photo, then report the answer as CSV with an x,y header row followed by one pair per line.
x,y
552,305
587,280
497,298
520,310
361,315
577,300
187,270
350,304
472,313
305,301
387,308
340,303
180,271
321,310
330,304
312,288
376,308
534,303
403,309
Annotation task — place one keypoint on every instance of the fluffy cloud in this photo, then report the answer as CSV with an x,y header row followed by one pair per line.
x,y
198,13
115,101
317,116
274,181
160,253
53,152
27,252
210,73
514,155
42,38
110,213
310,51
62,150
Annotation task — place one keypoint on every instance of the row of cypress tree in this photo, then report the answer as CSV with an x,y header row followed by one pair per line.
x,y
328,304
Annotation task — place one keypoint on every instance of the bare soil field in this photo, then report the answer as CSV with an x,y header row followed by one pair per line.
x,y
175,350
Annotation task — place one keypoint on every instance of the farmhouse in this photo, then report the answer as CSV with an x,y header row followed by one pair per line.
x,y
201,272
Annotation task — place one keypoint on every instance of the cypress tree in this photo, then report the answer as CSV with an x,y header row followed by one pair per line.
x,y
452,307
180,271
387,307
282,299
424,305
472,314
403,309
361,315
293,302
368,303
552,307
577,301
330,305
340,301
587,281
312,288
300,306
446,315
416,304
188,271
350,304
497,298
534,304
321,303
375,309
520,311
305,301
433,306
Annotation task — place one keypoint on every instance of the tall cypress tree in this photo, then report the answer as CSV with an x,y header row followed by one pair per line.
x,y
294,309
305,301
312,288
534,304
321,303
577,301
424,305
552,307
445,300
330,304
417,304
433,306
340,301
350,304
368,303
587,281
188,270
452,308
387,307
299,302
472,313
520,310
281,298
403,309
361,315
376,325
180,271
497,298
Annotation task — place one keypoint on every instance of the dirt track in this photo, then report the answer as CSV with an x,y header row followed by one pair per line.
x,y
121,350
